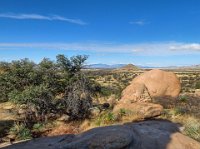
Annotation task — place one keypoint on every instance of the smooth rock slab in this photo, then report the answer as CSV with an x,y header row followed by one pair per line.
x,y
154,134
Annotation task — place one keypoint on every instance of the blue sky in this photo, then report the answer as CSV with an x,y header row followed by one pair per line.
x,y
142,32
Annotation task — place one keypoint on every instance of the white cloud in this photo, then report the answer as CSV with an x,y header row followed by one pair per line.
x,y
139,22
186,47
142,49
41,17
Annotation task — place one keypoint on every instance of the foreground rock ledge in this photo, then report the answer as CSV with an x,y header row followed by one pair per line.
x,y
152,134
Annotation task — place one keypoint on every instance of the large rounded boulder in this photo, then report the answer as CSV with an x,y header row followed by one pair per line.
x,y
156,83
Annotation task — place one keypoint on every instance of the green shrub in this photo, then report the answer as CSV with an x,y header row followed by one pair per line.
x,y
111,90
110,117
105,91
122,112
183,98
38,127
6,86
77,98
16,76
30,94
20,131
48,87
197,86
105,118
39,101
177,111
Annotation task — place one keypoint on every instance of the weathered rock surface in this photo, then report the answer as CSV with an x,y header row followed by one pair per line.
x,y
141,109
157,82
154,134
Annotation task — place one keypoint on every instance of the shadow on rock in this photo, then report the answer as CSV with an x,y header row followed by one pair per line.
x,y
188,103
151,134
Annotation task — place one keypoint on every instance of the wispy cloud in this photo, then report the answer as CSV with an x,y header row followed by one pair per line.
x,y
139,22
144,49
185,47
41,17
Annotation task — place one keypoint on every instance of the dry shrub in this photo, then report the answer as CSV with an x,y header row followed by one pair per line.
x,y
85,125
192,128
70,128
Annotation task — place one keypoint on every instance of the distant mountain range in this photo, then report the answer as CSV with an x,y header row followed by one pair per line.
x,y
104,66
116,66
190,67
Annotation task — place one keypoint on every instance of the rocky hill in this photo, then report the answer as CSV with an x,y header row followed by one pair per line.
x,y
128,67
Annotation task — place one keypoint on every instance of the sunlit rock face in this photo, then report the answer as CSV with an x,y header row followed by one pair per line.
x,y
152,84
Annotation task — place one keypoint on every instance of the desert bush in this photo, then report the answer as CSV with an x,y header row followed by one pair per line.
x,y
125,82
183,98
38,127
105,118
5,87
122,112
77,98
184,78
108,78
39,101
197,86
176,111
48,87
105,91
17,75
20,131
110,117
30,95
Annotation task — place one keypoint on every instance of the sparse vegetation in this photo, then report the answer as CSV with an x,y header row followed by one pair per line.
x,y
40,86
38,127
48,90
183,98
105,118
122,112
192,128
197,85
20,131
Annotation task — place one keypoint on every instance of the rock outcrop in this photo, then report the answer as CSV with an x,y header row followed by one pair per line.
x,y
141,110
129,67
154,134
158,83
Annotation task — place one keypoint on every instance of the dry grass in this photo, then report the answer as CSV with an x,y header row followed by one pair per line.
x,y
7,111
187,113
64,128
190,125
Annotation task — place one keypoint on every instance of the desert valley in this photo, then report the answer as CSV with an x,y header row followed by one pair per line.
x,y
113,107
99,74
